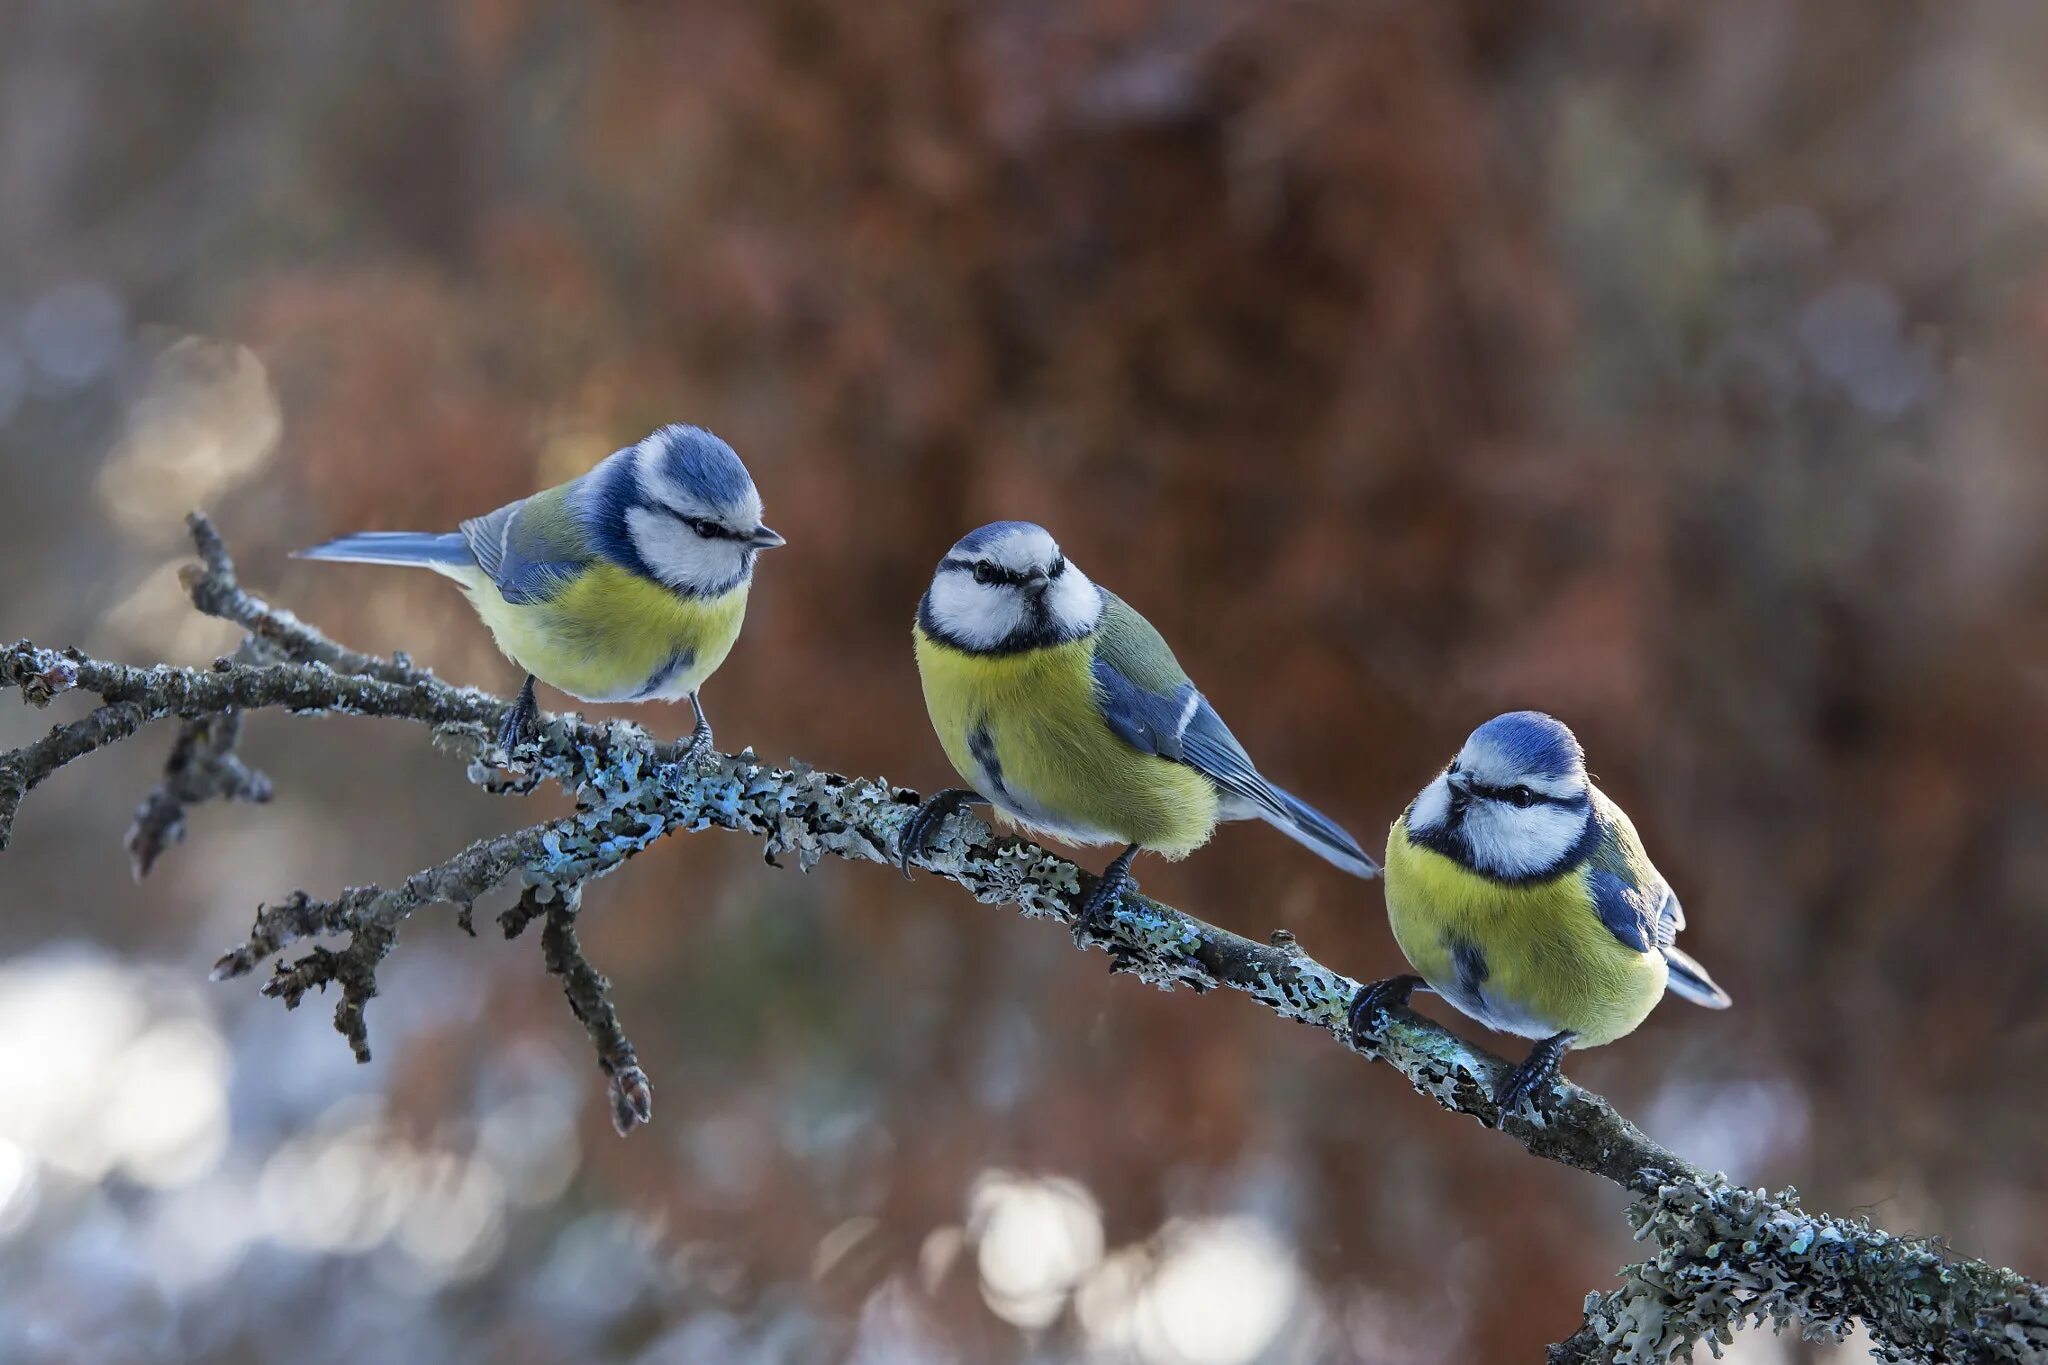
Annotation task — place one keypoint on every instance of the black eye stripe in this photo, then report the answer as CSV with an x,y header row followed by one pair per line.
x,y
986,572
709,529
1537,798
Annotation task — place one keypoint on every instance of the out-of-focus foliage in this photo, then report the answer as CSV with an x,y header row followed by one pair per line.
x,y
1673,368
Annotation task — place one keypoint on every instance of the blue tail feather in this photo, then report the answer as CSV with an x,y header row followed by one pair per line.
x,y
1310,827
1687,978
394,547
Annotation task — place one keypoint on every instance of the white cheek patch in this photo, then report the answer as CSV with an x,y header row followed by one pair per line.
x,y
1508,841
1075,603
978,615
1431,808
679,556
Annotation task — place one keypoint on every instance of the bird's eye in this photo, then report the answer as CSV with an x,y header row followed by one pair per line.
x,y
707,529
1059,566
1522,797
984,573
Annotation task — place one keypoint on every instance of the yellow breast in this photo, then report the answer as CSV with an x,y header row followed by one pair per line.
x,y
1026,731
1531,959
610,635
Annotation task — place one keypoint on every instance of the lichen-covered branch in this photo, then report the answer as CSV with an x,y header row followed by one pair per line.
x,y
1723,1255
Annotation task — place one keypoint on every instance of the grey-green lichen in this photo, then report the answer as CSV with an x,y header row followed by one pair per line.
x,y
1725,1257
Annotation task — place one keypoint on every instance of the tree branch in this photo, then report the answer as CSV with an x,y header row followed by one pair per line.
x,y
22,769
203,766
1724,1256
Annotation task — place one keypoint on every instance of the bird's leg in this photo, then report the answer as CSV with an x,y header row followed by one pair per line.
x,y
1115,880
1534,1075
918,832
700,734
518,725
1389,994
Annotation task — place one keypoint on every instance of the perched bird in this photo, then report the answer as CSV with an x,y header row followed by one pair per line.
x,y
627,583
1522,895
1063,707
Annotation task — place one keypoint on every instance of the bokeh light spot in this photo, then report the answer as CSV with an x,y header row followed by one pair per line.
x,y
1035,1240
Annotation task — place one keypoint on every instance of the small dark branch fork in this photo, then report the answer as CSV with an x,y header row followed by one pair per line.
x,y
1725,1255
203,766
589,994
353,971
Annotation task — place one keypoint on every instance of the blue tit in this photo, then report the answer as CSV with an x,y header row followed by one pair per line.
x,y
627,583
1522,895
1064,709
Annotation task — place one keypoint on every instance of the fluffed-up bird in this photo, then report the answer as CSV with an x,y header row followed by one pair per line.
x,y
1522,895
627,583
1061,706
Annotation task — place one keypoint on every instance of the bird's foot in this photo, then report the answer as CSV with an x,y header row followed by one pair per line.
x,y
519,724
1389,994
926,821
699,747
1114,881
1531,1080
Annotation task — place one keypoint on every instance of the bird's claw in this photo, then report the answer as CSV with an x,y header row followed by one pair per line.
x,y
519,724
918,830
1114,881
1389,994
699,748
1531,1080
1514,1088
512,734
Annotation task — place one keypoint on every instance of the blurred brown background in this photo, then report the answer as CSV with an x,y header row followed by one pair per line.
x,y
1676,369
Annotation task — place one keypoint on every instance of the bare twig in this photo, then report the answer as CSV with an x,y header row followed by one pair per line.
x,y
1724,1256
22,769
203,766
589,994
217,591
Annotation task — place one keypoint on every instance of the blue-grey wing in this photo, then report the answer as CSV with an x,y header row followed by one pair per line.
x,y
1670,919
1181,725
1210,748
1624,909
531,548
1629,895
1148,721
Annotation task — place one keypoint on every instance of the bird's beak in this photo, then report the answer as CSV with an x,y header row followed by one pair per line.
x,y
765,539
1460,786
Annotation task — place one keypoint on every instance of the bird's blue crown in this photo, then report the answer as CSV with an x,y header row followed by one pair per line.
x,y
700,463
1532,742
984,536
